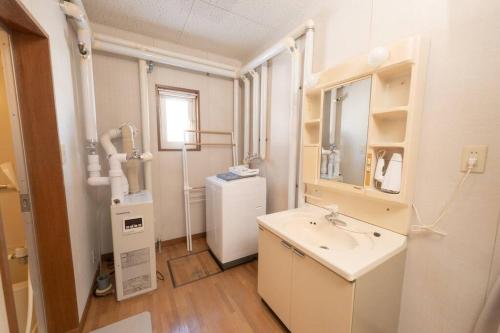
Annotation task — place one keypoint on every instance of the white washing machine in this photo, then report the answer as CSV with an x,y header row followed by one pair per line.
x,y
232,208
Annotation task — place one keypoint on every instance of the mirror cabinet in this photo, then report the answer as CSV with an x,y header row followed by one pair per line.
x,y
360,125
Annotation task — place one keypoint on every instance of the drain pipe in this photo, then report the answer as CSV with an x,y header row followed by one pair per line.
x,y
76,12
293,128
246,118
263,111
306,79
236,118
146,134
255,112
117,179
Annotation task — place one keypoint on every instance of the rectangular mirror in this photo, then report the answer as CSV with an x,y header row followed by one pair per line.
x,y
346,110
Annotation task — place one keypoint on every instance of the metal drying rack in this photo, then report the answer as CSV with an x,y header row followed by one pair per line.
x,y
187,187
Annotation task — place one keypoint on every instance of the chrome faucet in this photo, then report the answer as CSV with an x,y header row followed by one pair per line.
x,y
333,217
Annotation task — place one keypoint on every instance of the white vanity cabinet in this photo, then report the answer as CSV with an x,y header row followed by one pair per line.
x,y
309,297
275,270
321,300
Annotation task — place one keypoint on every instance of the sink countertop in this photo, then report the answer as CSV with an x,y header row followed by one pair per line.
x,y
347,253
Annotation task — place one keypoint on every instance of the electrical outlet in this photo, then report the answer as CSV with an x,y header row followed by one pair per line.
x,y
478,151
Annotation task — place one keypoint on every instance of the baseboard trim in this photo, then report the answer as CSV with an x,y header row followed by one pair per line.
x,y
87,304
182,239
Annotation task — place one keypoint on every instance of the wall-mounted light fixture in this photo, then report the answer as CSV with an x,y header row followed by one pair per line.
x,y
378,56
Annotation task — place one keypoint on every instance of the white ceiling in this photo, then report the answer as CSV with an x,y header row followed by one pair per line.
x,y
233,28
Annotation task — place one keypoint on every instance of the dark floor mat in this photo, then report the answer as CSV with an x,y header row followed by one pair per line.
x,y
192,267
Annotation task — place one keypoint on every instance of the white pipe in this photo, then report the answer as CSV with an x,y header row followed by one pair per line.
x,y
133,164
146,48
271,52
146,131
236,118
106,143
301,29
293,127
117,177
263,110
255,112
306,77
235,150
187,210
285,43
139,51
76,11
118,181
246,117
98,181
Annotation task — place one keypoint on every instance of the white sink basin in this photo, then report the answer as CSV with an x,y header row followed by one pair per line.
x,y
320,233
349,250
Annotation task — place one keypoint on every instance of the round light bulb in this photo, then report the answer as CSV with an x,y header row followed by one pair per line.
x,y
378,56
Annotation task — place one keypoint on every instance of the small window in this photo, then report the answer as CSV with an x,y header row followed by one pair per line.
x,y
178,111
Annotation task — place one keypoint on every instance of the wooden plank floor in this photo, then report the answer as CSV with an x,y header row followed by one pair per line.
x,y
224,302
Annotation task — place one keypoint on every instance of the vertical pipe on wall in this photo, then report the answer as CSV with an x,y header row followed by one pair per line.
x,y
263,110
146,132
236,119
306,77
246,117
255,112
293,128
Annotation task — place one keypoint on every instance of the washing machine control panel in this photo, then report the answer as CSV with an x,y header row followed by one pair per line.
x,y
133,224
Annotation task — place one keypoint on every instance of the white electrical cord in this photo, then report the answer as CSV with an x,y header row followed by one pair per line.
x,y
421,227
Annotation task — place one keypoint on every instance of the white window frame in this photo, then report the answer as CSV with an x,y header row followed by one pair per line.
x,y
163,143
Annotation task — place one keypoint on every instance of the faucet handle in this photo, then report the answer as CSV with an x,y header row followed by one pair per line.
x,y
333,209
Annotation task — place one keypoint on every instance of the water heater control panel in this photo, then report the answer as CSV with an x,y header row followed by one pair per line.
x,y
133,224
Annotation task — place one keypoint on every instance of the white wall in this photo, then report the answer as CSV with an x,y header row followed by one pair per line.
x,y
216,113
118,101
446,278
65,77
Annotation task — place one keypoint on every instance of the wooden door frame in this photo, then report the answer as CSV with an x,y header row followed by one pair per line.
x,y
33,72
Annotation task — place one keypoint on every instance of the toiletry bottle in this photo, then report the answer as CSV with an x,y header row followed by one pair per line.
x,y
331,167
336,168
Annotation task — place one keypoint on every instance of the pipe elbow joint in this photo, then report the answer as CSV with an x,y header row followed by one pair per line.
x,y
289,42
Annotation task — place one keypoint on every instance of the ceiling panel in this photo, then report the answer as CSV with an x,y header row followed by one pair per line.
x,y
271,13
232,28
156,18
214,29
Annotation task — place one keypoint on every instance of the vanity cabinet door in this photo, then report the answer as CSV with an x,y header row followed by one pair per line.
x,y
321,300
275,274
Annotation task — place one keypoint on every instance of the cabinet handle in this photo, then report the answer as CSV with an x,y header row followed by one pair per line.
x,y
260,228
285,244
300,254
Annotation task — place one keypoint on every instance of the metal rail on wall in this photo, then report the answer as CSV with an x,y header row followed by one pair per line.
x,y
185,173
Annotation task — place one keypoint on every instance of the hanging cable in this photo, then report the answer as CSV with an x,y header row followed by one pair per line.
x,y
421,227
